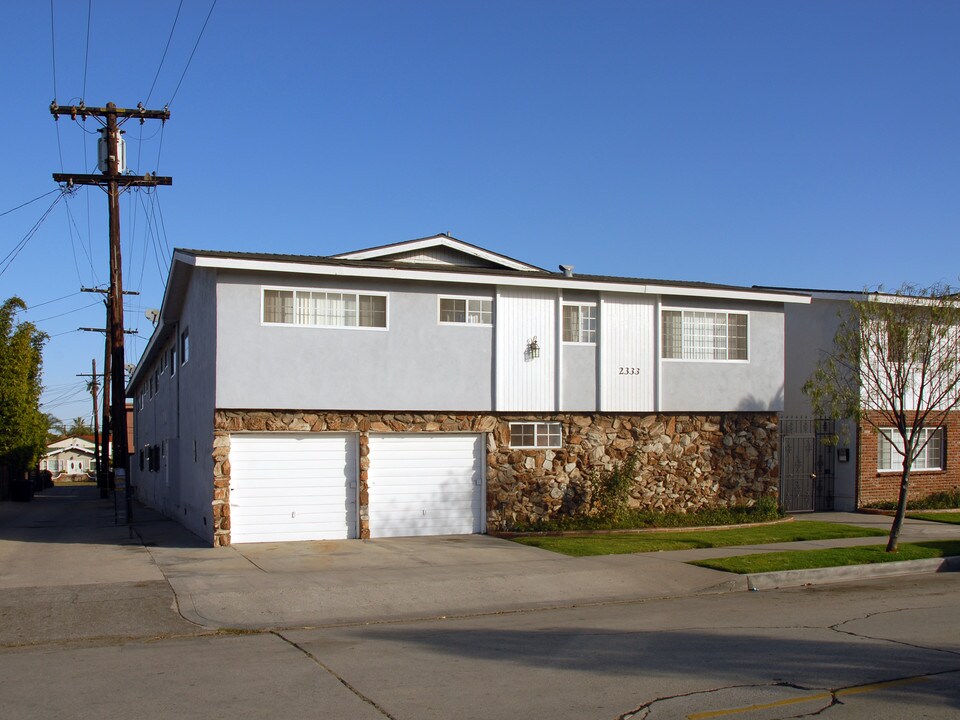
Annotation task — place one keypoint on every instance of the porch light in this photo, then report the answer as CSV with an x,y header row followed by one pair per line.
x,y
533,348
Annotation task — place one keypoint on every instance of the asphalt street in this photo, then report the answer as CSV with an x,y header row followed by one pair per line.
x,y
91,626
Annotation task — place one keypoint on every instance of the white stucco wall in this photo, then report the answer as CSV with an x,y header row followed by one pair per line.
x,y
180,417
728,386
416,364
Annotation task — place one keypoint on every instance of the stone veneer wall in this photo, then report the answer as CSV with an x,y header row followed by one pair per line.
x,y
686,462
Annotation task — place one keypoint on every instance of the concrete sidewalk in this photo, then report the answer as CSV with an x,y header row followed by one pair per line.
x,y
65,539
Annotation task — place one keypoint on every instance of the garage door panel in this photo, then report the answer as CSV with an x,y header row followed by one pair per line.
x,y
425,484
293,487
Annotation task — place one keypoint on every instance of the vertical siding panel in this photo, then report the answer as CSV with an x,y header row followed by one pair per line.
x,y
627,338
526,384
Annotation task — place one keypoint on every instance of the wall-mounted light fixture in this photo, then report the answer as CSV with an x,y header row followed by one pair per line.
x,y
533,348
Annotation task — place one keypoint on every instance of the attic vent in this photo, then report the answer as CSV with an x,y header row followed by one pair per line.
x,y
567,270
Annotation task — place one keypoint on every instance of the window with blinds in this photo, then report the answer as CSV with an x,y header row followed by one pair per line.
x,y
324,308
704,335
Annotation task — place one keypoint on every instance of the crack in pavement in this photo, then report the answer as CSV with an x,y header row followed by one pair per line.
x,y
369,701
834,695
837,627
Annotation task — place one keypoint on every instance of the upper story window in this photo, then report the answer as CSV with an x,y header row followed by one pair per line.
x,y
466,311
322,308
890,450
536,435
704,335
580,323
173,359
184,346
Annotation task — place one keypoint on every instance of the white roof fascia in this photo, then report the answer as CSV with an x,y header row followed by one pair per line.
x,y
275,266
434,242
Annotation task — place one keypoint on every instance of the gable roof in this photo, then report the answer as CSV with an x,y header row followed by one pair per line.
x,y
430,251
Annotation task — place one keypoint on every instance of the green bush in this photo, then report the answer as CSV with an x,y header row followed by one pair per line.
x,y
947,500
623,518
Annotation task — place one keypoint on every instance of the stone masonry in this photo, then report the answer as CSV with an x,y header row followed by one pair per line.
x,y
685,462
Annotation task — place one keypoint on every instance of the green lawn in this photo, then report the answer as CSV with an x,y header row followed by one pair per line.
x,y
582,545
944,517
832,557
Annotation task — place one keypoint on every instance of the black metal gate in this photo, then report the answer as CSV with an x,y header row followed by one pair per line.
x,y
807,464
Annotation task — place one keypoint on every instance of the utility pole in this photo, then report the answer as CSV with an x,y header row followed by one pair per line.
x,y
103,464
94,387
111,153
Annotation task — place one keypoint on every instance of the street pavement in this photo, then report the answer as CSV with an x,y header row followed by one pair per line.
x,y
95,623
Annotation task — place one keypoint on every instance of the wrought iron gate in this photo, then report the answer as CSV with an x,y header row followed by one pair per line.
x,y
807,464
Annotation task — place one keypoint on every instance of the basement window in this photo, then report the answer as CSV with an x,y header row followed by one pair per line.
x,y
532,435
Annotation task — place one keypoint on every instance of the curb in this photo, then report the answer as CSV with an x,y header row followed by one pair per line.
x,y
847,573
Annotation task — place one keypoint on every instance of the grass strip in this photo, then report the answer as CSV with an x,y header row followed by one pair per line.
x,y
830,557
581,545
944,517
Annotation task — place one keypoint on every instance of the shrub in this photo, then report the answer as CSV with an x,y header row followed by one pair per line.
x,y
947,500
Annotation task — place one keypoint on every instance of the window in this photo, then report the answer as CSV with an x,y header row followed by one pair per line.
x,y
890,450
163,362
173,359
704,335
324,309
185,346
580,323
536,435
467,311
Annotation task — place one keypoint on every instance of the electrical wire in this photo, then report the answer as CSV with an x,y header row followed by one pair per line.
x,y
190,59
50,302
38,197
68,312
164,56
73,245
86,54
12,255
53,54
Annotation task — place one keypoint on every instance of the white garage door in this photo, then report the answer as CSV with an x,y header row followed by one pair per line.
x,y
287,486
425,484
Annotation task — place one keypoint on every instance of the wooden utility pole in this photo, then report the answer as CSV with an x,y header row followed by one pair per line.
x,y
114,181
103,462
94,387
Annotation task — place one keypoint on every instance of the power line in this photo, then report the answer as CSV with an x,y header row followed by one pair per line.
x,y
164,56
38,197
12,255
190,59
68,312
53,53
86,55
53,48
50,302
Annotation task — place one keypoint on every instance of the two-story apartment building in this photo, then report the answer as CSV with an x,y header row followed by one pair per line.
x,y
843,465
435,387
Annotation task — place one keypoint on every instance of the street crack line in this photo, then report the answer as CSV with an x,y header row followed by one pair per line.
x,y
647,706
837,628
342,681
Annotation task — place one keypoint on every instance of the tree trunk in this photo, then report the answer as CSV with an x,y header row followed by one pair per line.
x,y
901,508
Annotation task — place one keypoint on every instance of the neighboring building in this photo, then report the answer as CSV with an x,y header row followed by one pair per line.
x,y
75,455
435,387
862,468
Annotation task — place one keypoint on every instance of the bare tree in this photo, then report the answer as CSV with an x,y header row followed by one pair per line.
x,y
895,366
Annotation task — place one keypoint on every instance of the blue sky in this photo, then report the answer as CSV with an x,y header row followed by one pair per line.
x,y
804,144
